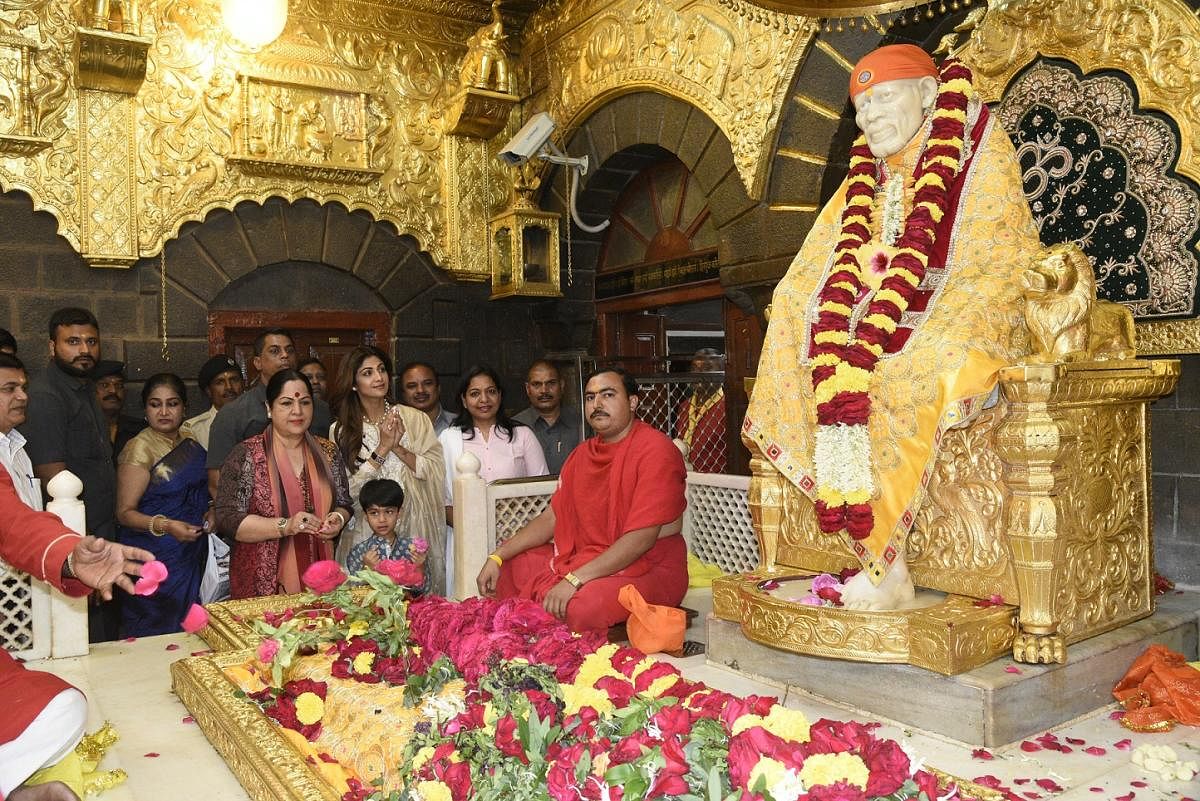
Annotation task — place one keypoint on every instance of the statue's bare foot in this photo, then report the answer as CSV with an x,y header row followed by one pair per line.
x,y
52,791
894,592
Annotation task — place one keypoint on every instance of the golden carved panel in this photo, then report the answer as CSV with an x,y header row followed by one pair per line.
x,y
733,61
108,190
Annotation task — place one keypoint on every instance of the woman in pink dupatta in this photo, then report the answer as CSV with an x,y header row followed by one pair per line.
x,y
282,496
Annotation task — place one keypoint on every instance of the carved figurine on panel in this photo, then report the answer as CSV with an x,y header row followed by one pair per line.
x,y
115,15
485,65
1065,320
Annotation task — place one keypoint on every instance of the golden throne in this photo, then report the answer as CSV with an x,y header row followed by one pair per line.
x,y
1036,517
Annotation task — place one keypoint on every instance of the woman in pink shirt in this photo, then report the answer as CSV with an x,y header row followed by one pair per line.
x,y
505,448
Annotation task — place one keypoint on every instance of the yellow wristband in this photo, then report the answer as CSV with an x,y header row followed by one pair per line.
x,y
495,557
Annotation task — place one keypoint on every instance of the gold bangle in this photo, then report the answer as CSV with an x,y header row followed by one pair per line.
x,y
495,557
341,517
574,580
155,531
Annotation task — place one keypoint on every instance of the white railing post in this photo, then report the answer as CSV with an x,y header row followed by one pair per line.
x,y
471,536
68,616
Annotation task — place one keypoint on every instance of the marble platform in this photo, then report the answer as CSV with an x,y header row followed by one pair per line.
x,y
994,705
168,757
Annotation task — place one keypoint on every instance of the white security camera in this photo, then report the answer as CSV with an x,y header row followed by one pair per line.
x,y
529,140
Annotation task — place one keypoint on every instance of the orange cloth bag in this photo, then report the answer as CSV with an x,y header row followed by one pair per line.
x,y
652,628
1159,690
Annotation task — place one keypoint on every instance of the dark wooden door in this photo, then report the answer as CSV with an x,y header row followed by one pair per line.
x,y
328,336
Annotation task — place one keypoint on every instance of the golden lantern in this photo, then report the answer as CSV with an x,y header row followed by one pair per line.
x,y
524,245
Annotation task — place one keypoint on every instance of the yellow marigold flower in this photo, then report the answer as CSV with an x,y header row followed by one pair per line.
x,y
746,721
661,685
826,360
928,179
852,497
781,782
892,295
831,337
831,497
951,163
309,708
433,791
935,212
644,665
832,768
875,349
358,628
596,666
839,308
846,285
882,322
363,663
576,697
421,757
789,724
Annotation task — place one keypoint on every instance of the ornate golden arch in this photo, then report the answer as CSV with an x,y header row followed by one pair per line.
x,y
1156,44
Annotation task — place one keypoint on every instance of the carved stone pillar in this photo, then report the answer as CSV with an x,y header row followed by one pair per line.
x,y
110,70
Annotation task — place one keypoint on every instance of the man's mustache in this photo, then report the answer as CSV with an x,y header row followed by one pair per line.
x,y
111,397
594,415
545,397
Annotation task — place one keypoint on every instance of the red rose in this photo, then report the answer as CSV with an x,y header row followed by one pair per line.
x,y
402,572
619,692
888,766
560,781
324,576
544,705
628,749
457,776
928,784
507,741
672,720
841,791
652,674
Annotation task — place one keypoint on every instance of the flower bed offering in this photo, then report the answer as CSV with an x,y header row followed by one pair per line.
x,y
440,701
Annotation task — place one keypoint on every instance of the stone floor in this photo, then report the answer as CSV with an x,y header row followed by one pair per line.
x,y
167,756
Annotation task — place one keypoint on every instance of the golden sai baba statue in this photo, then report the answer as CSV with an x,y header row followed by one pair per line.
x,y
902,423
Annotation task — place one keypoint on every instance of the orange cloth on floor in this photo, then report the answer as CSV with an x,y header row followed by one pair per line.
x,y
1159,690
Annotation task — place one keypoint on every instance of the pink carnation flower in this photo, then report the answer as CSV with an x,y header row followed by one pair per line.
x,y
153,574
267,650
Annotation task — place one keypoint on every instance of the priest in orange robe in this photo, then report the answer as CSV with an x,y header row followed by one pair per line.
x,y
614,520
43,715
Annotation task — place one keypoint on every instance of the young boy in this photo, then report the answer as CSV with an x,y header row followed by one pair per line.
x,y
380,500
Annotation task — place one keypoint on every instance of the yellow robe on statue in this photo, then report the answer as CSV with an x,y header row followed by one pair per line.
x,y
945,371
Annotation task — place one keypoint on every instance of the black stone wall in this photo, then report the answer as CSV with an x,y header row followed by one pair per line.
x,y
1175,445
277,255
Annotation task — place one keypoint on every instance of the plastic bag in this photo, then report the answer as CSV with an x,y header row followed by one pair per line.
x,y
214,584
652,628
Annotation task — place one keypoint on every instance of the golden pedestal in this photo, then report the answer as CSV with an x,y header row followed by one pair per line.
x,y
1043,500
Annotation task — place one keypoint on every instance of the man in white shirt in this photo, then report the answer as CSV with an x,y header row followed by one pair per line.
x,y
14,400
221,380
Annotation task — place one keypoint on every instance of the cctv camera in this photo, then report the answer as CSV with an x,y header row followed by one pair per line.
x,y
529,140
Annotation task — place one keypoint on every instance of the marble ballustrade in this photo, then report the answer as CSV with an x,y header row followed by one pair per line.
x,y
1035,523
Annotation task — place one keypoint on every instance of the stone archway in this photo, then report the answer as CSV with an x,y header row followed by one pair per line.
x,y
313,258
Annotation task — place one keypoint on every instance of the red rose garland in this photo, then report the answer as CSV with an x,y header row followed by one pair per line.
x,y
844,357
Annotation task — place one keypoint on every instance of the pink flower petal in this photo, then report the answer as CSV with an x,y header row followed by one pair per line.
x,y
982,753
1019,782
205,652
1012,669
1138,785
1076,741
1032,796
145,586
130,639
1096,789
988,780
1126,797
1116,715
1029,747
196,619
154,571
1049,785
1095,750
1123,745
174,646
188,719
151,755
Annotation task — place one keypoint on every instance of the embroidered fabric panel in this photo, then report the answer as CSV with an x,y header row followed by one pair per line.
x,y
1099,172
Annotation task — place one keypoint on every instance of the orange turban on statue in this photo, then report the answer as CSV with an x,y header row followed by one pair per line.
x,y
890,63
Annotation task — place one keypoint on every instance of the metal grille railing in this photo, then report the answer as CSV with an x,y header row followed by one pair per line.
x,y
514,502
675,404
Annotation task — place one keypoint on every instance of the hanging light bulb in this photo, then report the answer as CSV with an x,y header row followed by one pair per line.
x,y
254,23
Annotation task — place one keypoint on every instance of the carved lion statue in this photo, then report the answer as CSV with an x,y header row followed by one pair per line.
x,y
1066,322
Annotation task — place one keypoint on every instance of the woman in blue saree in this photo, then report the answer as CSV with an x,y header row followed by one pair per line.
x,y
162,495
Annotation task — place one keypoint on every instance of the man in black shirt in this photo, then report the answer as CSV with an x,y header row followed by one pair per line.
x,y
110,392
247,416
66,430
